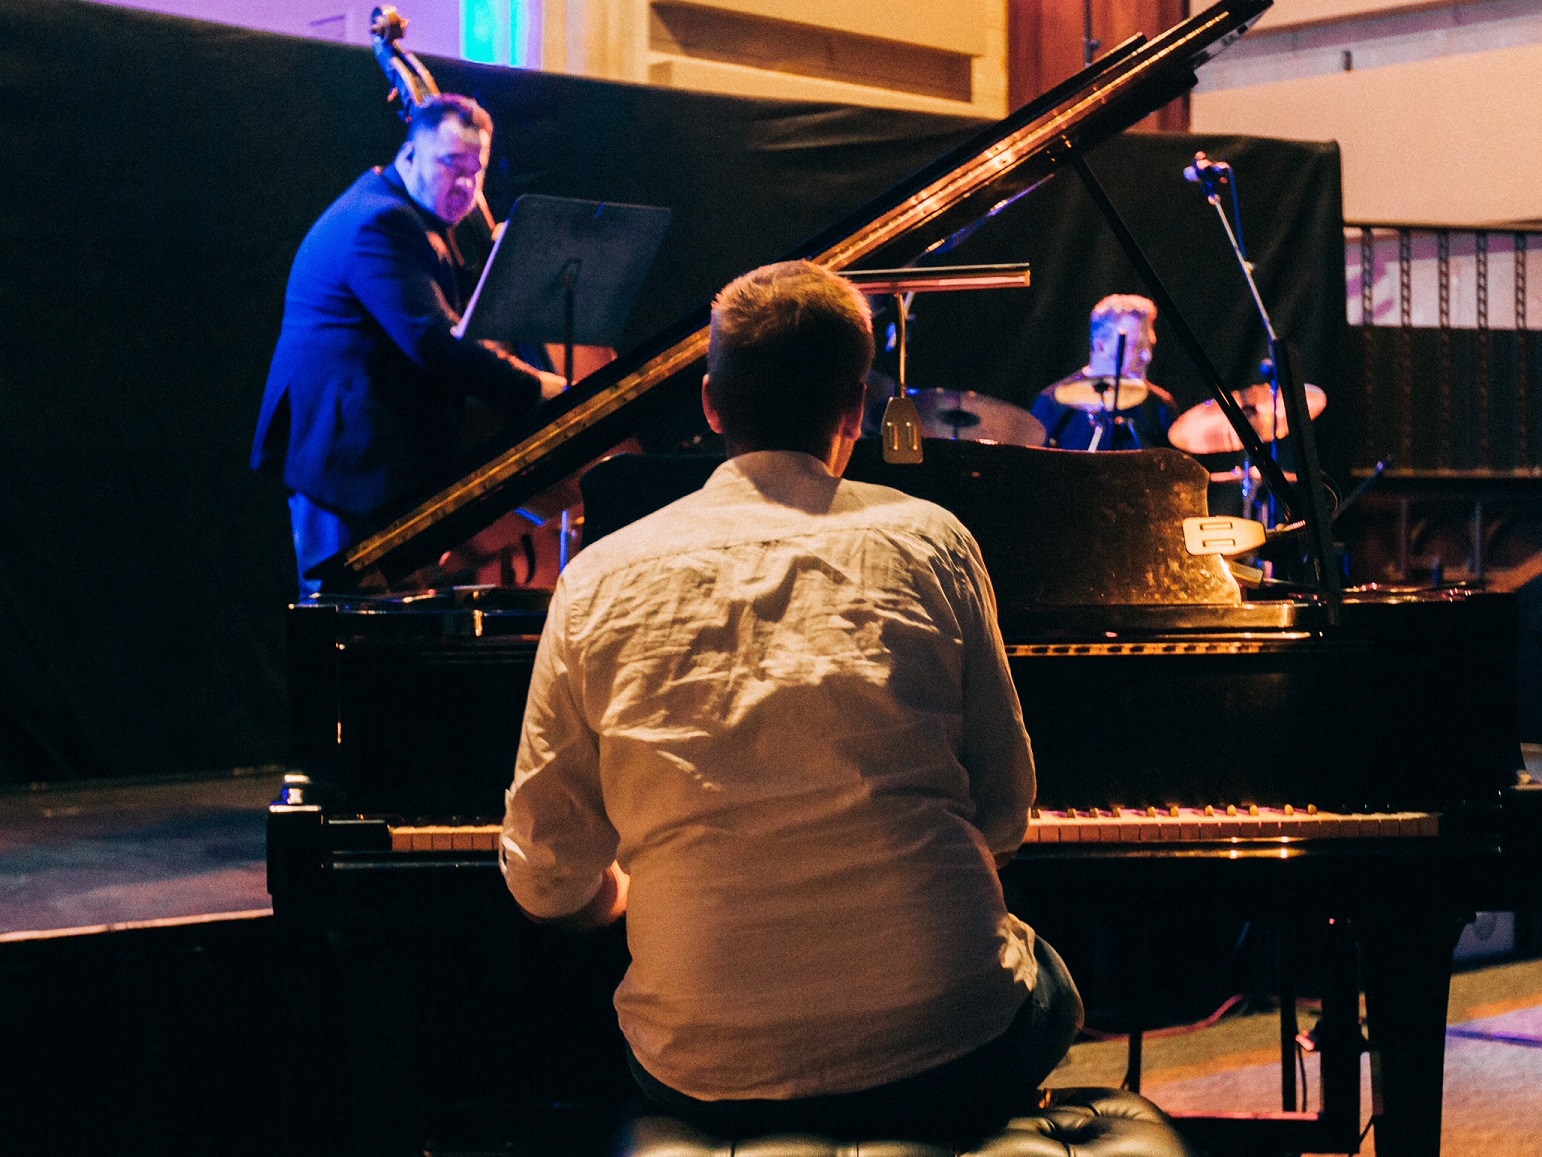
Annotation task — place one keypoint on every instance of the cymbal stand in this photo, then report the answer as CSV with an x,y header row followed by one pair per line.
x,y
1109,418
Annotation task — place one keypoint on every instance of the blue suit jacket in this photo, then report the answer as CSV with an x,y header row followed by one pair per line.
x,y
366,396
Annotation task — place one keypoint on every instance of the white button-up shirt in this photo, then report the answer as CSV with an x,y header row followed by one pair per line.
x,y
782,704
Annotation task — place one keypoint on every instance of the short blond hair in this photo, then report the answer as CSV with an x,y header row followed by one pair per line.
x,y
1117,305
787,357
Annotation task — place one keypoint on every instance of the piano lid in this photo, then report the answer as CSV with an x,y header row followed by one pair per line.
x,y
895,229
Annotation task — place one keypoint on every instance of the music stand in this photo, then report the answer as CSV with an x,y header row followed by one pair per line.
x,y
564,271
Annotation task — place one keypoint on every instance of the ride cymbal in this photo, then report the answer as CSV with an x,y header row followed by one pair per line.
x,y
1096,395
965,416
1203,429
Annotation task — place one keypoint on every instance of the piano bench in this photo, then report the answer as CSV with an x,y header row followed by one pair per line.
x,y
1086,1122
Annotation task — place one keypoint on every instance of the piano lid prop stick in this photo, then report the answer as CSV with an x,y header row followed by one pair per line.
x,y
1319,523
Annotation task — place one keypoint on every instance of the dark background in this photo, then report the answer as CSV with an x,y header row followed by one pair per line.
x,y
160,174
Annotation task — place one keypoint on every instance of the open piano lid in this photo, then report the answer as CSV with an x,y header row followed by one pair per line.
x,y
1006,159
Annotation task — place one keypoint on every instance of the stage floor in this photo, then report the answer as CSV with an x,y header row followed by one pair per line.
x,y
103,856
188,852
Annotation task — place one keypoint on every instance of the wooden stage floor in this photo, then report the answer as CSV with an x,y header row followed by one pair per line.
x,y
102,856
134,948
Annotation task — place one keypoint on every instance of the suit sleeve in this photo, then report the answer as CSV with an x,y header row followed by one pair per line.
x,y
996,750
557,839
392,275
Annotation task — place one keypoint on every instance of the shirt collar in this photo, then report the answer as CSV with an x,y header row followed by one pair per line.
x,y
391,177
766,465
786,477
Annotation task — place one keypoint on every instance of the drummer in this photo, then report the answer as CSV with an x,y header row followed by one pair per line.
x,y
1082,412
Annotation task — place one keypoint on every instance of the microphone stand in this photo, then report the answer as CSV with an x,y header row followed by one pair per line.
x,y
1210,178
1282,373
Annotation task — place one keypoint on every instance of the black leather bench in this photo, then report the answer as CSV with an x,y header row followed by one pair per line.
x,y
1072,1123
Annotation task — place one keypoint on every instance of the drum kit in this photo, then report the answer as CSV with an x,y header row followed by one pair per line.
x,y
1202,430
964,415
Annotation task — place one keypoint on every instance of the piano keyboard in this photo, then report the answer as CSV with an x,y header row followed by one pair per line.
x,y
1181,825
1175,825
445,838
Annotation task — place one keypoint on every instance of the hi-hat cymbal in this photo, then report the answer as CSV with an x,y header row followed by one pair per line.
x,y
965,416
1096,395
1205,430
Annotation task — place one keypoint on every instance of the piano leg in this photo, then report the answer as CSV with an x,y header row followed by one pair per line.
x,y
1289,1027
1340,1042
1406,967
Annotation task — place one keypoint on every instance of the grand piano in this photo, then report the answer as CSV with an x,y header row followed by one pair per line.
x,y
1340,760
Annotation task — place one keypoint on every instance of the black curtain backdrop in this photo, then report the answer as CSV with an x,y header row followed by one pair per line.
x,y
1012,344
160,174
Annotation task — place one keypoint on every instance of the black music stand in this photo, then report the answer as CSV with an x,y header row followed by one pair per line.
x,y
564,271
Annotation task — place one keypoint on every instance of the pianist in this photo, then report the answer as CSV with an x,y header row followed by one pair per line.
x,y
366,396
773,724
1079,413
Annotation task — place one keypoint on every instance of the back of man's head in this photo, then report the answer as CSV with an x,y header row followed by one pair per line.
x,y
790,348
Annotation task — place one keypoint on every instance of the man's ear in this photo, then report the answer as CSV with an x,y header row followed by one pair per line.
x,y
713,419
851,421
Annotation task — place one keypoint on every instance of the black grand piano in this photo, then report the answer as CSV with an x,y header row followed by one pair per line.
x,y
1340,759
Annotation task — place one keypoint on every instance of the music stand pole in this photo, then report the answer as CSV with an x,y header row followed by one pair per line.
x,y
569,279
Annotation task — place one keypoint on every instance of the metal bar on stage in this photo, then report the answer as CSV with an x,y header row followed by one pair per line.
x,y
942,278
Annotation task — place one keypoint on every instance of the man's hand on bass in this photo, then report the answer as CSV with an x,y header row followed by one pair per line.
x,y
551,384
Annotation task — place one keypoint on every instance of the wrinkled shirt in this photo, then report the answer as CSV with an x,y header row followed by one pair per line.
x,y
782,704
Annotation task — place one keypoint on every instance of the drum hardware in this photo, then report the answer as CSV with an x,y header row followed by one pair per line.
x,y
1235,474
1109,416
1203,429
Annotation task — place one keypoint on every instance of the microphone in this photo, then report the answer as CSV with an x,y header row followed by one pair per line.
x,y
1204,170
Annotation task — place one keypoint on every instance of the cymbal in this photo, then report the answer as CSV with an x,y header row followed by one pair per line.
x,y
965,416
1203,429
1095,395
